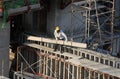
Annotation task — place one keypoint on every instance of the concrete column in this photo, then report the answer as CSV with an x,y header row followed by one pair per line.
x,y
117,12
4,49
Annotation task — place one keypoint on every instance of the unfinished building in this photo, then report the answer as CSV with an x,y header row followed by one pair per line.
x,y
93,47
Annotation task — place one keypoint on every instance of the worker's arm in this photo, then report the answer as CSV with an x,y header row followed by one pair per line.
x,y
64,36
55,35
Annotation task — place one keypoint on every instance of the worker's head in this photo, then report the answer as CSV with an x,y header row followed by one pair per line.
x,y
57,28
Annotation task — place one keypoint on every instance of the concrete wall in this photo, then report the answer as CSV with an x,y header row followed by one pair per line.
x,y
71,23
117,12
51,17
4,49
116,46
116,42
28,21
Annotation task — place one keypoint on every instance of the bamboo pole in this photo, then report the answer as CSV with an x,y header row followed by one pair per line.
x,y
112,25
40,68
47,64
44,65
77,76
59,69
98,75
51,67
63,70
55,68
103,76
73,72
89,74
68,71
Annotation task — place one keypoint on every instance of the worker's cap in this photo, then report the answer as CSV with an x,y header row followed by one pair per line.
x,y
57,28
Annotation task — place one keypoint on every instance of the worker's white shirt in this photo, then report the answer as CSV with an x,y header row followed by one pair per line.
x,y
61,35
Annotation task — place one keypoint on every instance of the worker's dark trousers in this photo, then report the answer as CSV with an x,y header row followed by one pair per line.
x,y
58,47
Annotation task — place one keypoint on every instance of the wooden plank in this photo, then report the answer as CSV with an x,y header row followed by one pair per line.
x,y
68,43
38,46
50,49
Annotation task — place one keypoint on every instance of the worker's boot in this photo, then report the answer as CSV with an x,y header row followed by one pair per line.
x,y
55,47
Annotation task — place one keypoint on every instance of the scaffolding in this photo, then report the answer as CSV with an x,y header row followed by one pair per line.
x,y
72,64
36,56
99,21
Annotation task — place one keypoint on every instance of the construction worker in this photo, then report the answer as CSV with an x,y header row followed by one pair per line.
x,y
59,35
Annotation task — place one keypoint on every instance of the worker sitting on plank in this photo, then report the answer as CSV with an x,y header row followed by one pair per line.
x,y
59,35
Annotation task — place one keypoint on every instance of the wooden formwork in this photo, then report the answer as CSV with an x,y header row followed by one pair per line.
x,y
78,49
88,54
70,66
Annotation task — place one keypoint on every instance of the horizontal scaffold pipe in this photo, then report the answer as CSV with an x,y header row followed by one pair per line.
x,y
48,40
19,10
